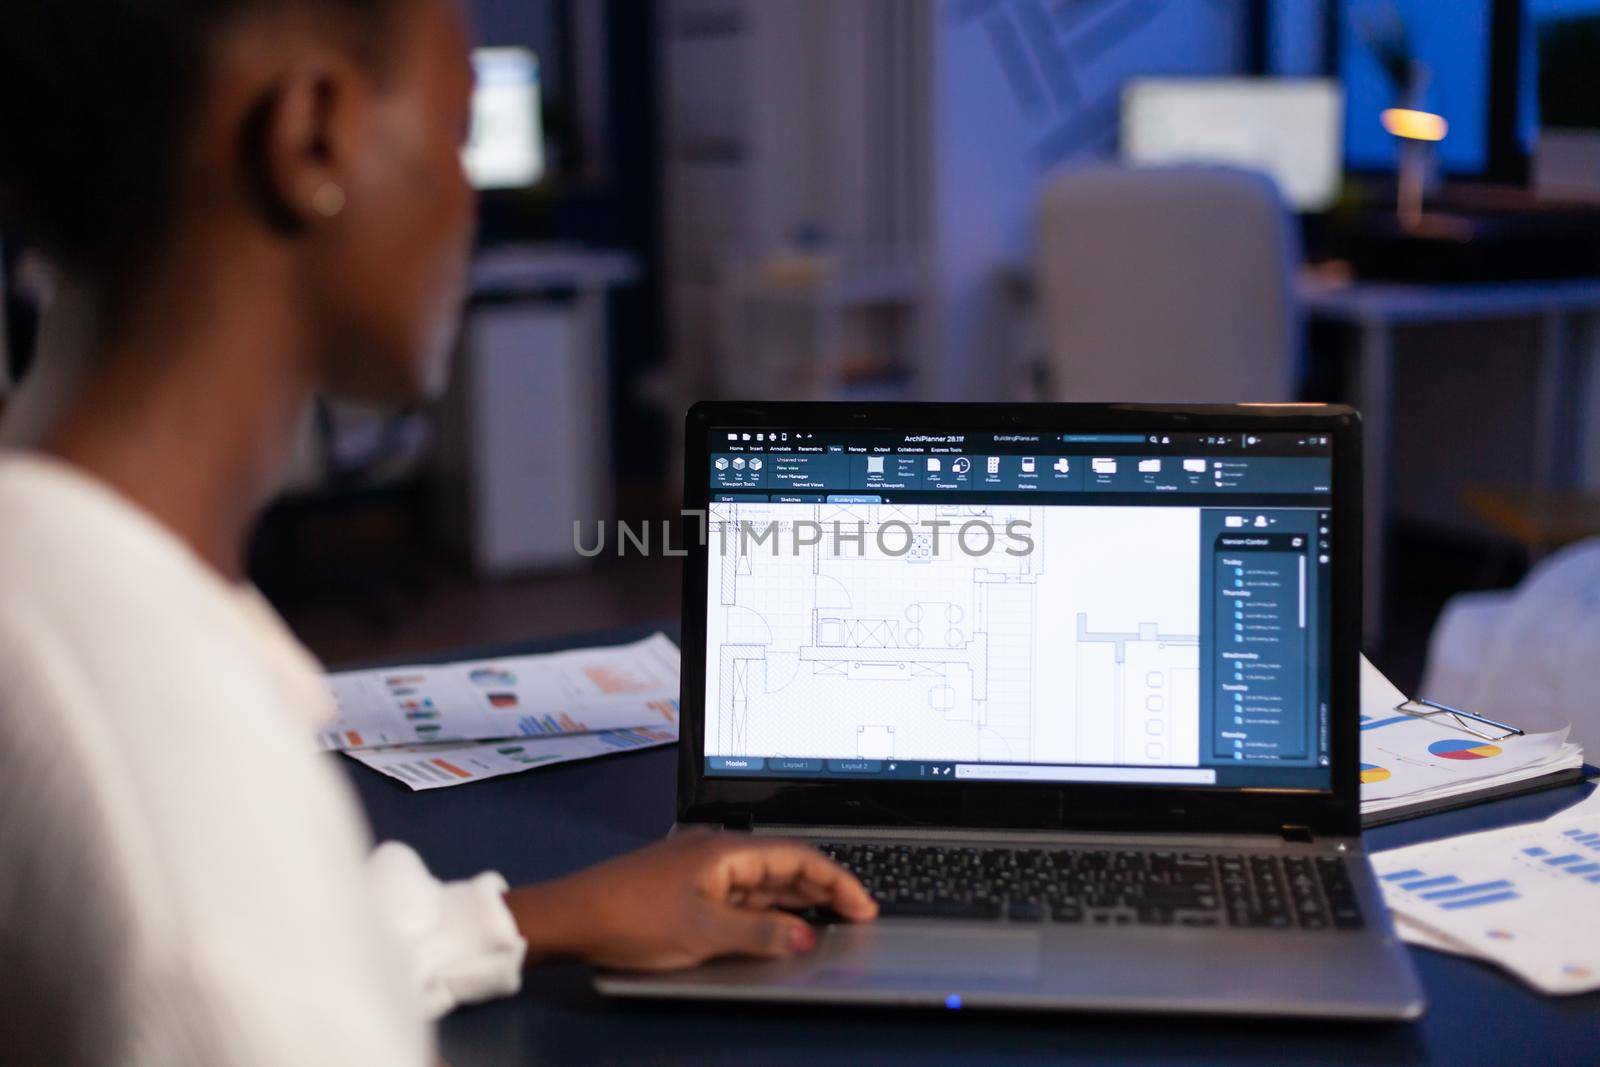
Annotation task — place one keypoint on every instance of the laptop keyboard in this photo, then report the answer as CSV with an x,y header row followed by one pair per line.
x,y
1105,887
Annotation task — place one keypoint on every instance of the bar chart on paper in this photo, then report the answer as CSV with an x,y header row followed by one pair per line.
x,y
1583,862
1526,897
435,766
1450,892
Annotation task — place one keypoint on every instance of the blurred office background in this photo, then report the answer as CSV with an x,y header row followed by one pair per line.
x,y
1198,200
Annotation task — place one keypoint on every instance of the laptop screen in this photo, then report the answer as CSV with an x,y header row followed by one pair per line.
x,y
1030,607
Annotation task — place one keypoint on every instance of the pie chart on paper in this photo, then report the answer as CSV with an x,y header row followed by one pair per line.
x,y
1461,748
487,676
1371,773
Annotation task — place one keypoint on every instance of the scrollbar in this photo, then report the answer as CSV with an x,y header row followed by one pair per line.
x,y
1302,590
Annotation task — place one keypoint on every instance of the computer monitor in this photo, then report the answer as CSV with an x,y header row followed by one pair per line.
x,y
1289,129
1145,604
505,149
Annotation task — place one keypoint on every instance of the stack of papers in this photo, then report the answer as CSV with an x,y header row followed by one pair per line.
x,y
1413,763
1526,897
431,726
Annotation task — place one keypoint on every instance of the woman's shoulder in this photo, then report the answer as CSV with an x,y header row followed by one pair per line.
x,y
89,576
114,626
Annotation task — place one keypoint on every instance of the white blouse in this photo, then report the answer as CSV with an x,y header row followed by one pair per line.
x,y
183,879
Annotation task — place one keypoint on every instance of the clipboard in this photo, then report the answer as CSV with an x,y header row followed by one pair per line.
x,y
1502,791
1488,730
1422,708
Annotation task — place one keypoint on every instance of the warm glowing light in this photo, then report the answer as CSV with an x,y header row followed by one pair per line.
x,y
1414,125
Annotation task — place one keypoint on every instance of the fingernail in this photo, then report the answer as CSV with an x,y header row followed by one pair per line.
x,y
802,939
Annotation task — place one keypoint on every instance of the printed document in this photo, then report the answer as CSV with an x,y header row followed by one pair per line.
x,y
1525,897
575,692
1407,758
454,763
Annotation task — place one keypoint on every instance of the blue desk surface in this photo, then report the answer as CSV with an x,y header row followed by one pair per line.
x,y
547,822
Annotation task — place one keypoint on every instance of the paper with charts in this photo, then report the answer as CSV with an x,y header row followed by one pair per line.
x,y
1408,756
846,651
457,763
580,691
1525,897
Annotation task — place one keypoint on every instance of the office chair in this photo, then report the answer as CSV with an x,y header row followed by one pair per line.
x,y
1167,285
1525,655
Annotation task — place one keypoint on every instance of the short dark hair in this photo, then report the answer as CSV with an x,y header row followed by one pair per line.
x,y
95,98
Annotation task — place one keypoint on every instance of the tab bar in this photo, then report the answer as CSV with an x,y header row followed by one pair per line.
x,y
855,766
736,763
794,765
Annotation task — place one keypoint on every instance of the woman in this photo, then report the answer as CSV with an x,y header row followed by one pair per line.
x,y
245,203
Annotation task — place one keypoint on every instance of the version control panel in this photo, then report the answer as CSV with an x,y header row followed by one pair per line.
x,y
1267,605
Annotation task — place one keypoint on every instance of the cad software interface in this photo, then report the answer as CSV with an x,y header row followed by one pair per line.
x,y
1087,607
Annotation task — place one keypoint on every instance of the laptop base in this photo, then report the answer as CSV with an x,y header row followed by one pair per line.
x,y
959,964
974,966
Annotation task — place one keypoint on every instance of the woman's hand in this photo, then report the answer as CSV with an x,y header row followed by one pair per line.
x,y
684,900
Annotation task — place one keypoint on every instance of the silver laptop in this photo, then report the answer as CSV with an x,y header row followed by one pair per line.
x,y
1072,688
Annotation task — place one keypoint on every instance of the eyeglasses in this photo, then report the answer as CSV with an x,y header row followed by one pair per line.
x,y
1428,709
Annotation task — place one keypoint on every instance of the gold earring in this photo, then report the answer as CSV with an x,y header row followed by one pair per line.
x,y
328,200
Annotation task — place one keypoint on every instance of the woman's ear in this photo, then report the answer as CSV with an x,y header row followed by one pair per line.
x,y
302,140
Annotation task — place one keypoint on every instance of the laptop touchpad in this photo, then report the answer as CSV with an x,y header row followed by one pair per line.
x,y
927,953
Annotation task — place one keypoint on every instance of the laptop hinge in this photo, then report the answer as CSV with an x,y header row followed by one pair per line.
x,y
1296,833
741,821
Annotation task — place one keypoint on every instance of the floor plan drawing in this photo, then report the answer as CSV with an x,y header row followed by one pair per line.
x,y
1150,681
901,646
889,637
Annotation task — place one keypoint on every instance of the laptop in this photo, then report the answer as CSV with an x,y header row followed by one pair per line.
x,y
1071,688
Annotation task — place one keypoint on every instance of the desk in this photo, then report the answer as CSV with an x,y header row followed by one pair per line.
x,y
1565,310
548,822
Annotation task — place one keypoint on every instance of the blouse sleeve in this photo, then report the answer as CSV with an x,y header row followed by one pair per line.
x,y
461,941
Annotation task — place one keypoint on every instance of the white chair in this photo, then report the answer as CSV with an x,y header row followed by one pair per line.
x,y
1171,285
1526,657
